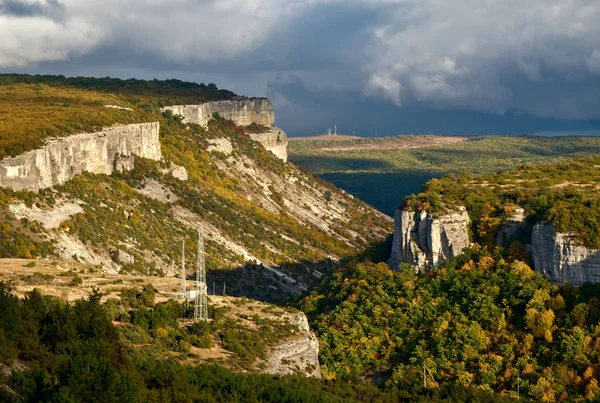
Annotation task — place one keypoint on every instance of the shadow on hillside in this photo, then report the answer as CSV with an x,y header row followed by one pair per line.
x,y
283,282
323,163
383,190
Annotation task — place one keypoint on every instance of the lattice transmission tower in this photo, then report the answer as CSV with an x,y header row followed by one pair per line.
x,y
183,294
201,300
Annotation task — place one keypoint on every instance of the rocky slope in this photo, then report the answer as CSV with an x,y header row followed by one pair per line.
x,y
125,198
425,241
274,140
100,153
243,112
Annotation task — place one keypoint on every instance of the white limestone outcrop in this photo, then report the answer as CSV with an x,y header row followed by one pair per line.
x,y
425,241
221,145
297,354
561,259
274,140
242,112
100,153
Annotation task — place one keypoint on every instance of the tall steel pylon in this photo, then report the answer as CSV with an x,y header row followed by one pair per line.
x,y
201,300
183,294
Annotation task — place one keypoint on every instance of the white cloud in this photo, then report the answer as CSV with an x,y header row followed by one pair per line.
x,y
469,53
382,84
593,62
533,56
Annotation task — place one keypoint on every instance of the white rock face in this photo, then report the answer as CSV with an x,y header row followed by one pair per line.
x,y
425,241
221,145
101,153
559,258
243,112
180,173
298,354
123,257
49,218
275,140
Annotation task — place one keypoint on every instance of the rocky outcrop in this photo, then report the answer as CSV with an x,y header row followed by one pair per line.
x,y
560,258
274,140
242,112
101,153
513,227
425,241
220,145
298,354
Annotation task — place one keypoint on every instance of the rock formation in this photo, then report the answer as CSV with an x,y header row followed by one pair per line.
x,y
512,228
220,145
101,153
560,258
243,112
298,354
274,140
425,241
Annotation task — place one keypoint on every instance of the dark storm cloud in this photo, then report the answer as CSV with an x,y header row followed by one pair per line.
x,y
356,114
502,66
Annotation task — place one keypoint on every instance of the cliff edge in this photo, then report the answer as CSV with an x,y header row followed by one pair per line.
x,y
101,152
425,241
561,259
243,112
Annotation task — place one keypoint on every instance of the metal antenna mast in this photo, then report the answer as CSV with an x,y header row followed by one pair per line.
x,y
183,287
201,301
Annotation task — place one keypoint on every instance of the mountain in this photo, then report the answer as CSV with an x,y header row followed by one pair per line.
x,y
127,181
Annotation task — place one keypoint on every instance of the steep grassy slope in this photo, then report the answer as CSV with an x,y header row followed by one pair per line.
x,y
270,227
382,171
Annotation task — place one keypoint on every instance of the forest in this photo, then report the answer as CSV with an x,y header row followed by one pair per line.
x,y
483,321
53,351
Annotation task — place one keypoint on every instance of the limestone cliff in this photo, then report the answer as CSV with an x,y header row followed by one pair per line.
x,y
425,241
297,354
274,140
559,258
101,153
243,112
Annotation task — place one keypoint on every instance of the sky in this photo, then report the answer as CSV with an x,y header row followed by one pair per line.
x,y
373,67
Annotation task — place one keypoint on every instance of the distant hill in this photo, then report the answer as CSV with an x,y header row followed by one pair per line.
x,y
383,170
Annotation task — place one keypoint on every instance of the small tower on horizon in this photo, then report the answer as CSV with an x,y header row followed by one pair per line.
x,y
335,129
